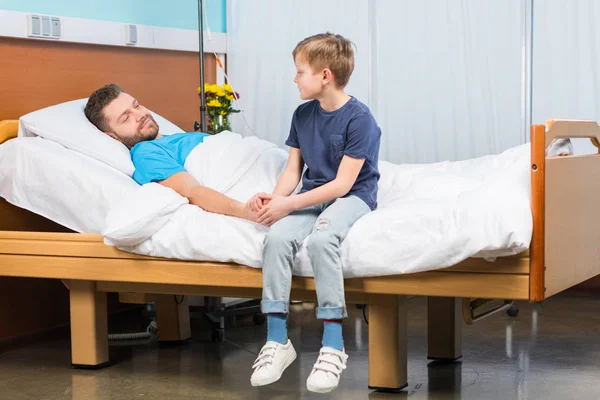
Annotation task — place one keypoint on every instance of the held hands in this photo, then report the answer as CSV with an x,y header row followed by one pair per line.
x,y
259,200
270,207
275,209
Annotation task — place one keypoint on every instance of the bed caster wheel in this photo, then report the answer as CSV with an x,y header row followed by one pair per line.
x,y
259,319
216,335
513,311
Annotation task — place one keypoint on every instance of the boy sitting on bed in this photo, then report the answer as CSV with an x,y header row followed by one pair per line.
x,y
156,158
337,137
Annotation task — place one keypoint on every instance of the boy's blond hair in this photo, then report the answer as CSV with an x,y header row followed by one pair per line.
x,y
327,50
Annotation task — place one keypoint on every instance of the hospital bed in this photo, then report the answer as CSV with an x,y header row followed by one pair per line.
x,y
564,251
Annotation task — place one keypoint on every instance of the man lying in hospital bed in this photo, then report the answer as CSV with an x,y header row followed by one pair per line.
x,y
156,158
430,216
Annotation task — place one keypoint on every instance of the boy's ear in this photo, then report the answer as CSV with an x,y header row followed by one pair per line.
x,y
327,75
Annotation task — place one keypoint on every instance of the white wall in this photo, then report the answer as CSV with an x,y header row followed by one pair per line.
x,y
449,78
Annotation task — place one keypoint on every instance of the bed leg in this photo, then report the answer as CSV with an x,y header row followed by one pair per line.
x,y
89,326
444,328
173,318
387,343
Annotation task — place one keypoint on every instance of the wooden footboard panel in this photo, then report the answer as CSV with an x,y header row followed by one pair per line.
x,y
572,240
565,194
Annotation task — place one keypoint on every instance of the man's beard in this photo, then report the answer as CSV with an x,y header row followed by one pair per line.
x,y
150,134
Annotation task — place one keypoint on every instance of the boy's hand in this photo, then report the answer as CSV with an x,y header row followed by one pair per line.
x,y
277,208
257,202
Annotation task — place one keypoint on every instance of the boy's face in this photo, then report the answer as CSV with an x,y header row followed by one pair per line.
x,y
310,83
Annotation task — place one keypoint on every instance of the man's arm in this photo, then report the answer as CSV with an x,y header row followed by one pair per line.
x,y
206,198
288,181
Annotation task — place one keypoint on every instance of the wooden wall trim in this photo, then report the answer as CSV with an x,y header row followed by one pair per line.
x,y
36,74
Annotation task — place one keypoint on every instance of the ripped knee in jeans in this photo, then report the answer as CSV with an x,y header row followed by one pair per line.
x,y
322,225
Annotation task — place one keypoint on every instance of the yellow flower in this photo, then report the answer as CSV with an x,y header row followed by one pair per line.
x,y
214,103
228,88
229,97
214,88
219,91
223,113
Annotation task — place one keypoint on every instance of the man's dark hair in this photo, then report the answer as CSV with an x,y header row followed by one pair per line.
x,y
94,109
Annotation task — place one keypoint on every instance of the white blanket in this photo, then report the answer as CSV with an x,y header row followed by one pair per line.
x,y
430,216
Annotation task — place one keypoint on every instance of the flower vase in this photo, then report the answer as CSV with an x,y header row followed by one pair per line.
x,y
218,124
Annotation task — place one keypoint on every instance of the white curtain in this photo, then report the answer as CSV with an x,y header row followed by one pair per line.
x,y
261,35
443,78
566,63
448,78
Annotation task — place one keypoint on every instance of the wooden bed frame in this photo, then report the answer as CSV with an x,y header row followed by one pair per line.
x,y
565,250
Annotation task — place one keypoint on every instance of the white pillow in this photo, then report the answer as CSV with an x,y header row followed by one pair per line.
x,y
66,124
62,185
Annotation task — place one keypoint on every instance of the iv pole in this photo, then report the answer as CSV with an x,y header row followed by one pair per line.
x,y
202,125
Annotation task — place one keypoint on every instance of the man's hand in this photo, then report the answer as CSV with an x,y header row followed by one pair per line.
x,y
277,208
247,213
259,200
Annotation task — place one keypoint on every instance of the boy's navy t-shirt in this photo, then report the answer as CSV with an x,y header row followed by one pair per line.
x,y
325,137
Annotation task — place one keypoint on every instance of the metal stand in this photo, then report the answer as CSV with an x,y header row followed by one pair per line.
x,y
217,309
202,125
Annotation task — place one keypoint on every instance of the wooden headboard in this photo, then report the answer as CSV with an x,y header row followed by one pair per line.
x,y
37,74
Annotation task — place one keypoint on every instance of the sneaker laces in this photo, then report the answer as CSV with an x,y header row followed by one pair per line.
x,y
332,361
265,357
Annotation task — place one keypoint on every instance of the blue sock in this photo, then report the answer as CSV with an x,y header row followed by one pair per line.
x,y
332,334
276,328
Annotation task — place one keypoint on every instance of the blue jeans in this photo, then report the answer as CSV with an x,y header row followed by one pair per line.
x,y
327,224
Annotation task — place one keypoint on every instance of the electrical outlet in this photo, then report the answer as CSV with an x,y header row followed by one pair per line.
x,y
34,25
43,26
131,36
46,27
55,27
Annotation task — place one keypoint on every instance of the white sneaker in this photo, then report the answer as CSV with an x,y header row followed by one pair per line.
x,y
327,371
272,360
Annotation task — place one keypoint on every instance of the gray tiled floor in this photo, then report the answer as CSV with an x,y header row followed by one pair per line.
x,y
546,352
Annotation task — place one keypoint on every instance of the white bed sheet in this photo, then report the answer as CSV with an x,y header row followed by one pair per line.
x,y
430,216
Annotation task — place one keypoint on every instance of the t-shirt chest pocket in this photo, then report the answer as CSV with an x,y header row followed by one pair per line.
x,y
337,147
